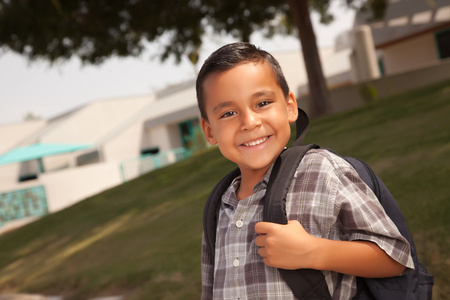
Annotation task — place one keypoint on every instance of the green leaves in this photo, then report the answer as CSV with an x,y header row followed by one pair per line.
x,y
96,30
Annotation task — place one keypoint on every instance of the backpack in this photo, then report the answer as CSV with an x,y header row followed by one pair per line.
x,y
308,283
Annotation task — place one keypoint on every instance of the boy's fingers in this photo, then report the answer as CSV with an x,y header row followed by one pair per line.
x,y
260,241
267,227
262,252
264,227
297,226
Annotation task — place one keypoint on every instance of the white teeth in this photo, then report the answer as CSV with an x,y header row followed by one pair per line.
x,y
257,142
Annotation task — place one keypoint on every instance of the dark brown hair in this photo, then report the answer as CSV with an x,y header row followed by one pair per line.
x,y
231,55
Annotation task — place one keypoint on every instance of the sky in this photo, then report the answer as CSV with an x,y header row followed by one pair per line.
x,y
49,90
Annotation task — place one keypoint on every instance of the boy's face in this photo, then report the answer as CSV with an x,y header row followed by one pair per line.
x,y
248,115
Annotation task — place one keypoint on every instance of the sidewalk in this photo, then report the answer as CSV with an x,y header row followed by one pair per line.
x,y
40,297
28,297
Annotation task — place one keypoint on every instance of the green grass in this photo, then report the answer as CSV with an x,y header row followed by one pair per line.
x,y
142,239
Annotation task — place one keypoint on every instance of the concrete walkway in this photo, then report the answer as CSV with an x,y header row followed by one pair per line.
x,y
40,297
27,297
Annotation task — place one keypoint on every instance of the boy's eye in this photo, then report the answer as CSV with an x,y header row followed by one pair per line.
x,y
228,114
263,103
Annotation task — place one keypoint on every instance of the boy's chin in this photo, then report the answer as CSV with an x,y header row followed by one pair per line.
x,y
256,166
254,163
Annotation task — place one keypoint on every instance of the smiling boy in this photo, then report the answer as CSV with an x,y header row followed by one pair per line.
x,y
248,117
337,224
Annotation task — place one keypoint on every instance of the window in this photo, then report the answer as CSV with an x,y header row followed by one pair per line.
x,y
190,131
443,43
153,150
92,157
27,177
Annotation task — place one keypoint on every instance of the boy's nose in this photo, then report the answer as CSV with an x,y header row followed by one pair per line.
x,y
250,120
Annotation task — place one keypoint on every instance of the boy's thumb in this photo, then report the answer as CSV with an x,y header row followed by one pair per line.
x,y
291,222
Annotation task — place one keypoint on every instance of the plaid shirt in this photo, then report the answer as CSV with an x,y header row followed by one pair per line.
x,y
328,198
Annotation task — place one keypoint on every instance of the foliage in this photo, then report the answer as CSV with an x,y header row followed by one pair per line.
x,y
96,30
368,92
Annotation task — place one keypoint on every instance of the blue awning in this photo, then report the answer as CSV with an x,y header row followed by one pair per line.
x,y
38,151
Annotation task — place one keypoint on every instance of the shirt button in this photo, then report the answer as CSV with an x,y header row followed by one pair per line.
x,y
239,224
236,262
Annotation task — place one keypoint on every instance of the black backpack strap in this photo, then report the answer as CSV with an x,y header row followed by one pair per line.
x,y
211,210
302,126
280,180
305,283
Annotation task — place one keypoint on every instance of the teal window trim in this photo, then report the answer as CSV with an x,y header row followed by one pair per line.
x,y
134,167
23,203
189,130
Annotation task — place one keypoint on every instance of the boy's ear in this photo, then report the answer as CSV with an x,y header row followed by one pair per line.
x,y
292,108
207,131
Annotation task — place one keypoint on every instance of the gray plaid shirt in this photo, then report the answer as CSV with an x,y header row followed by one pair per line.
x,y
328,198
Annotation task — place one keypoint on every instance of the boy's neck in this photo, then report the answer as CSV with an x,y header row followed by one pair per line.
x,y
249,178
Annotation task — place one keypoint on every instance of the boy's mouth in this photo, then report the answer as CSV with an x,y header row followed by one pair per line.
x,y
256,142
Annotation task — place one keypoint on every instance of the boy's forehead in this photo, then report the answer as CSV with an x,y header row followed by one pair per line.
x,y
239,73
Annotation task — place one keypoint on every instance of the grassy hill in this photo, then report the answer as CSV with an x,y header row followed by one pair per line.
x,y
142,239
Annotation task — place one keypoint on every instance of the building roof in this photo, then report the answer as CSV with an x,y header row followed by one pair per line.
x,y
37,151
13,135
93,122
405,19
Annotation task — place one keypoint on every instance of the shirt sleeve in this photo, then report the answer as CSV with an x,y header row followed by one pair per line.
x,y
207,267
362,216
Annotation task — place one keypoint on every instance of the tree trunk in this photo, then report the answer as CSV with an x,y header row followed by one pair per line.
x,y
320,103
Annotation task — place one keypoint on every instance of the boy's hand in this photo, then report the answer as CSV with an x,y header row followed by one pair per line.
x,y
285,246
291,247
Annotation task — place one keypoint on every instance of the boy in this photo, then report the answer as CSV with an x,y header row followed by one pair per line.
x,y
336,223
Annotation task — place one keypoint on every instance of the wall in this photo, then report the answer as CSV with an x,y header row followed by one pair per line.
x,y
335,64
134,167
67,187
162,137
293,67
174,137
125,144
363,58
349,97
12,134
93,122
411,54
9,175
60,161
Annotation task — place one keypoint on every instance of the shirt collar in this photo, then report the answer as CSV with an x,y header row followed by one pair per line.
x,y
264,181
230,195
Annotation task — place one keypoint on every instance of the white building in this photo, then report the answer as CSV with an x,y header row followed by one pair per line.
x,y
104,144
413,34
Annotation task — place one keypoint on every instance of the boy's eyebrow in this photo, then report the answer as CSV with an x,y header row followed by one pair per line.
x,y
222,105
264,93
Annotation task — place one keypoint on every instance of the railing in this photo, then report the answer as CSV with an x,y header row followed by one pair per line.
x,y
23,203
135,167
